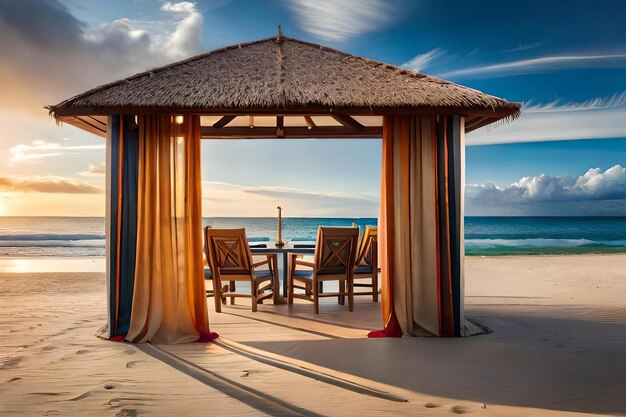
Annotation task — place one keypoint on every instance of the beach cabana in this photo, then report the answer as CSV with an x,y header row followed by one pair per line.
x,y
279,88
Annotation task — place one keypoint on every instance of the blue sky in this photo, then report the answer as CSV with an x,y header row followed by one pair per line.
x,y
565,60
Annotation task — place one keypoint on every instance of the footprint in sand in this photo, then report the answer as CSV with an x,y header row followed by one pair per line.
x,y
129,352
127,412
458,409
14,379
10,363
131,364
431,405
82,351
49,348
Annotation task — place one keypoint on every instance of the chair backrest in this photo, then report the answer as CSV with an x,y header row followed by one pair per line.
x,y
335,250
205,248
368,251
228,251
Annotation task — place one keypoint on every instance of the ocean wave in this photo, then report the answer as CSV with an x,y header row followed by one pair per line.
x,y
91,243
50,236
541,243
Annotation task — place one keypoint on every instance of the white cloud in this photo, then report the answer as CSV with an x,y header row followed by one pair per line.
x,y
40,150
338,20
48,184
521,47
94,171
77,56
531,195
186,38
225,199
597,118
419,62
544,63
598,103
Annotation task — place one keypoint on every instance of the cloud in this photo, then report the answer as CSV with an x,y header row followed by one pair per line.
x,y
322,198
419,62
78,57
186,39
40,150
540,64
225,199
597,118
334,20
94,171
47,184
588,194
521,47
600,103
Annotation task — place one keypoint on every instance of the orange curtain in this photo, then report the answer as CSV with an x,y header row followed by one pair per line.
x,y
420,239
169,304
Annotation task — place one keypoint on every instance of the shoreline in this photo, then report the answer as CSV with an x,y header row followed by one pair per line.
x,y
97,264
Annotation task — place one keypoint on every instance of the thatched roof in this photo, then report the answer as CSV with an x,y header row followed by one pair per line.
x,y
280,75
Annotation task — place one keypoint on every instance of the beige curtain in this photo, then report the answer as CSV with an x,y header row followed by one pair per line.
x,y
169,304
421,229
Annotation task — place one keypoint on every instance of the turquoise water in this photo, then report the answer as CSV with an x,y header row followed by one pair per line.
x,y
77,237
544,235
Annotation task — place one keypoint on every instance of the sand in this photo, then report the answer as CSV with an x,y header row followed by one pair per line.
x,y
557,347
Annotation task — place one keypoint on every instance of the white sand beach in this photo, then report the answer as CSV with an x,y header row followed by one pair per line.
x,y
557,347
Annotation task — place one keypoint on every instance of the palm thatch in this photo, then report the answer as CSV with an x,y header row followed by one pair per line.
x,y
280,75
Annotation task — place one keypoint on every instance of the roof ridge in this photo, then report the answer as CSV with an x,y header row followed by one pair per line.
x,y
280,64
211,82
391,67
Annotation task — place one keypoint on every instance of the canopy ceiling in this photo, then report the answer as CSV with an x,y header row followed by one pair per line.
x,y
282,87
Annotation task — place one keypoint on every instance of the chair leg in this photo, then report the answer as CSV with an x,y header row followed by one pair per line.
x,y
290,286
316,298
375,286
350,284
275,287
255,293
225,289
232,288
342,289
217,294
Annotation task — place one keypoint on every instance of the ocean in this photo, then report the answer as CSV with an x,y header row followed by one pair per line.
x,y
84,236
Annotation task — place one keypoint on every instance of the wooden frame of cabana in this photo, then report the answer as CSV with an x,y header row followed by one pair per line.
x,y
282,88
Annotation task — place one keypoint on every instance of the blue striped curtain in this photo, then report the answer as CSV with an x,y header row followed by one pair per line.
x,y
124,154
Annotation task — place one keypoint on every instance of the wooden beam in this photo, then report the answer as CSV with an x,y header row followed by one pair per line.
x,y
66,110
99,123
280,126
290,132
347,121
469,122
477,122
83,124
309,121
92,123
223,121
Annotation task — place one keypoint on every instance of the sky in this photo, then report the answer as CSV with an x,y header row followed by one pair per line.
x,y
565,61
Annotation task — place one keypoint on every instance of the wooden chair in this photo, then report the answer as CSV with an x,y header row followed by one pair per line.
x,y
333,260
230,261
366,265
